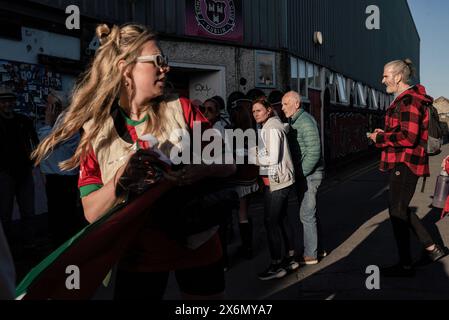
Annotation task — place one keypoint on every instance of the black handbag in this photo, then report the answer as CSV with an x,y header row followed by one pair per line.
x,y
186,211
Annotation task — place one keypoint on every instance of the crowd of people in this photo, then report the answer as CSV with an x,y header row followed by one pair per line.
x,y
93,148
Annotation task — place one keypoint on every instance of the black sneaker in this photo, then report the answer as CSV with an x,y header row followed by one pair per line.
x,y
322,254
274,271
437,253
290,264
398,271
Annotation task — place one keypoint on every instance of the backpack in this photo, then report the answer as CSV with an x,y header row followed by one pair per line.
x,y
435,140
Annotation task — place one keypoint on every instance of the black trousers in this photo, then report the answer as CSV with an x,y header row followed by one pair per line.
x,y
22,189
65,214
402,188
200,281
275,218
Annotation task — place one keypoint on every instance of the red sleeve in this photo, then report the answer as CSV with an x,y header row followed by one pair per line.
x,y
90,173
192,114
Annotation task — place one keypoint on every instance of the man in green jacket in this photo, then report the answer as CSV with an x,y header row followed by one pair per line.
x,y
305,147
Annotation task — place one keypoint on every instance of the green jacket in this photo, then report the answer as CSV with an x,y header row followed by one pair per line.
x,y
305,144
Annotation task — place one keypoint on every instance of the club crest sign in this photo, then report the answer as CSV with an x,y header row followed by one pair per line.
x,y
220,19
215,16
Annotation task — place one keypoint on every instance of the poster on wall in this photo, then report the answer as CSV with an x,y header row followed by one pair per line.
x,y
216,19
31,83
265,69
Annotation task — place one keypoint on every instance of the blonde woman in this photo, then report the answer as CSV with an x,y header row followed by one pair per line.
x,y
120,99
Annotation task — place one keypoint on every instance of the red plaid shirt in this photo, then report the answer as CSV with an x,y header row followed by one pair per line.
x,y
406,132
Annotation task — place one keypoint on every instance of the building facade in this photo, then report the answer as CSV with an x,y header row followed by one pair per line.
x,y
323,49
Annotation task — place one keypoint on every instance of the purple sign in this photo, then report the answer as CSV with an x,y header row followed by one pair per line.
x,y
217,19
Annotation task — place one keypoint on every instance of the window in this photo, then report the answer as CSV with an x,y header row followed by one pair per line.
x,y
341,88
294,65
374,101
302,79
384,104
305,75
381,101
316,76
309,74
361,90
265,69
299,79
329,77
294,82
333,92
350,92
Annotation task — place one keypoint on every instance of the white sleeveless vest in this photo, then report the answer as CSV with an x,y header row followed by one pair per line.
x,y
112,151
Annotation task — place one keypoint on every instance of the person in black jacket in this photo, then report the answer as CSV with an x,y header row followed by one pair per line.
x,y
17,138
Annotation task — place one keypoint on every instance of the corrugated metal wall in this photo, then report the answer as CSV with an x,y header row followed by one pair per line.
x,y
349,48
114,11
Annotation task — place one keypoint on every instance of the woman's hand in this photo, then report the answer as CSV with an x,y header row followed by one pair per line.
x,y
138,173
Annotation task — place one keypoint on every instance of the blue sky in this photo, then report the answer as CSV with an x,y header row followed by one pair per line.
x,y
432,20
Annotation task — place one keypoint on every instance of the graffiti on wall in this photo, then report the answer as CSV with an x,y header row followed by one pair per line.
x,y
203,91
347,134
31,83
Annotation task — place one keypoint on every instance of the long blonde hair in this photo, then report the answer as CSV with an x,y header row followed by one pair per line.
x,y
97,90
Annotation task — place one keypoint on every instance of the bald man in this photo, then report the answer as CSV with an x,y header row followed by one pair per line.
x,y
305,147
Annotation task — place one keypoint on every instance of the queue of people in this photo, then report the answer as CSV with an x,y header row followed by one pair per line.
x,y
96,146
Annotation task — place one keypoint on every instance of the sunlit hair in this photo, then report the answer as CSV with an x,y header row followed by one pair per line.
x,y
402,67
293,95
99,87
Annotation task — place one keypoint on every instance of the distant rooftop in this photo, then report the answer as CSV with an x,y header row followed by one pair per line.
x,y
442,105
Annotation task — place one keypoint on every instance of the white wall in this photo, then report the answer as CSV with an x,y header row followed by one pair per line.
x,y
206,85
209,81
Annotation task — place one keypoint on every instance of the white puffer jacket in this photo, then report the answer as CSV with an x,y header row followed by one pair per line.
x,y
274,156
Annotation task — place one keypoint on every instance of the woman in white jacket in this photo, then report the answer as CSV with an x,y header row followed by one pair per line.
x,y
276,170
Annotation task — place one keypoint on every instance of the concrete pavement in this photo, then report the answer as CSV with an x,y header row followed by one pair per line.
x,y
357,233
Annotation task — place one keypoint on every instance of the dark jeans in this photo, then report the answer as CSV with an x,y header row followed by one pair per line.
x,y
402,188
21,188
276,204
65,215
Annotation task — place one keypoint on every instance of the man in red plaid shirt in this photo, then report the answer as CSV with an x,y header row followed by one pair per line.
x,y
403,144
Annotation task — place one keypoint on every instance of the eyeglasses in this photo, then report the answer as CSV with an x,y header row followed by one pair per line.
x,y
159,60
